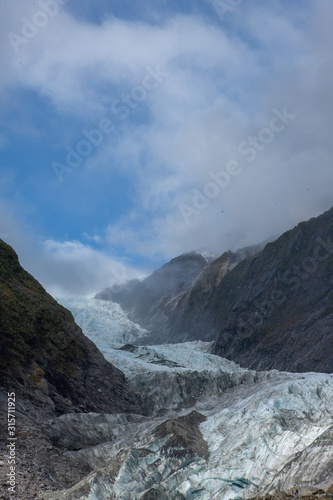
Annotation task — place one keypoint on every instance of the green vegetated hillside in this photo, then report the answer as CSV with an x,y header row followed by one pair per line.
x,y
44,354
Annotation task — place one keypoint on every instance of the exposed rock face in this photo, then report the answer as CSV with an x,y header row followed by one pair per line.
x,y
154,494
44,355
151,301
39,465
268,309
271,309
329,492
204,306
184,437
183,301
282,314
177,302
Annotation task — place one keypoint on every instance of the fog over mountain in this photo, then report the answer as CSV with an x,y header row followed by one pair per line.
x,y
166,249
220,134
160,421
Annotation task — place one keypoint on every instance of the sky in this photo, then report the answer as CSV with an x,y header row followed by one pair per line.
x,y
133,133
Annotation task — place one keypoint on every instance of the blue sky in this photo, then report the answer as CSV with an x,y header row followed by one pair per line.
x,y
133,133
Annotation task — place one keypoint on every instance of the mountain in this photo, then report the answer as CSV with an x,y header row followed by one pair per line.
x,y
282,314
265,308
177,302
202,307
44,355
151,301
184,423
270,310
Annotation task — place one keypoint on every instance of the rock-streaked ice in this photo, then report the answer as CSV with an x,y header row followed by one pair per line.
x,y
263,429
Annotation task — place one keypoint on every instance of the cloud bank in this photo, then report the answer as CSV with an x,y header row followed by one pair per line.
x,y
209,133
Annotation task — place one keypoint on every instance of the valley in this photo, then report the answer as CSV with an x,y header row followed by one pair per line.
x,y
155,389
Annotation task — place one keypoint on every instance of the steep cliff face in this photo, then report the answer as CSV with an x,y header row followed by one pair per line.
x,y
187,299
151,301
282,314
204,306
44,355
265,308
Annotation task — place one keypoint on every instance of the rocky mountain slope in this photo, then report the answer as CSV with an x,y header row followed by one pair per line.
x,y
44,356
201,310
282,315
208,428
177,302
151,301
53,369
273,309
265,308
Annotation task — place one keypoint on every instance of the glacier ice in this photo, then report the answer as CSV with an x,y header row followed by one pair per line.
x,y
105,321
263,429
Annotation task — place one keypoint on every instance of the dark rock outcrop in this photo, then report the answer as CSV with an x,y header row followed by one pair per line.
x,y
201,310
282,313
44,356
154,494
265,308
329,493
151,301
185,440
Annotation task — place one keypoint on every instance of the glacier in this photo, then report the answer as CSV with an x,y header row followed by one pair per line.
x,y
255,432
105,321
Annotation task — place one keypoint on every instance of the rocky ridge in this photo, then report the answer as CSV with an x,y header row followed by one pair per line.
x,y
52,368
282,315
264,308
150,302
44,355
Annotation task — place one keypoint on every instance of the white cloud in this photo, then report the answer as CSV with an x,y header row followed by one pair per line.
x,y
79,270
64,268
290,180
71,60
222,87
